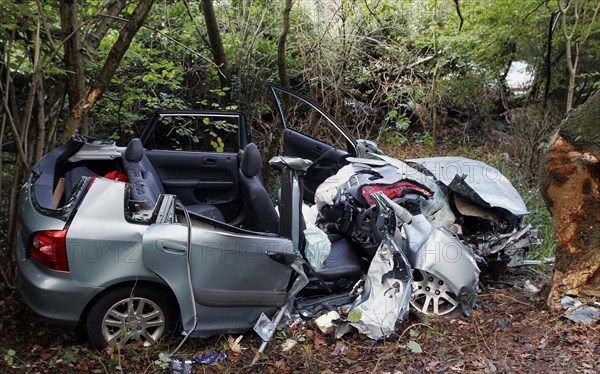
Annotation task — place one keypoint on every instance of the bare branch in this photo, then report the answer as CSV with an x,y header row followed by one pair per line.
x,y
459,13
45,23
534,10
13,126
589,31
113,8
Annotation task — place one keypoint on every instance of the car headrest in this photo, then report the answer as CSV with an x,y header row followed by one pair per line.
x,y
251,163
134,151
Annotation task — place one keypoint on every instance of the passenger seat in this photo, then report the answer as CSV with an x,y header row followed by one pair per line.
x,y
260,213
146,186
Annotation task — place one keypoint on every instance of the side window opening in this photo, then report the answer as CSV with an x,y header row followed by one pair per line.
x,y
195,133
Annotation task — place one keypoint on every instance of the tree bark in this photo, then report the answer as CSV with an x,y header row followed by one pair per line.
x,y
548,56
109,68
285,28
112,10
570,186
216,43
69,20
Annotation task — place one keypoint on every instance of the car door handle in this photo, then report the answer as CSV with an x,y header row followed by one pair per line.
x,y
210,160
317,148
171,247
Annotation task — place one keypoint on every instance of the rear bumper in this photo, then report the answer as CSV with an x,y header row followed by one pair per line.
x,y
52,294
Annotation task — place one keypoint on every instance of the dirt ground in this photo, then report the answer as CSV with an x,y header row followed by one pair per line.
x,y
510,331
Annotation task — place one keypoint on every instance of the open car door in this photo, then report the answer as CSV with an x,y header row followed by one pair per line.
x,y
310,132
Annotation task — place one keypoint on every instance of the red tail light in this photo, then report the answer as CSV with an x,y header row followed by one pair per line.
x,y
48,247
395,190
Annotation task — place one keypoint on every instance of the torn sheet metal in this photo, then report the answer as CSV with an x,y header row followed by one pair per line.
x,y
439,252
386,296
576,311
513,244
475,180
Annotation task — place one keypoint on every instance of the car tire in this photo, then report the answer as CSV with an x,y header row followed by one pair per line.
x,y
142,314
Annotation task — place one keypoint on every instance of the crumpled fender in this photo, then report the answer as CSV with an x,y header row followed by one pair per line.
x,y
440,252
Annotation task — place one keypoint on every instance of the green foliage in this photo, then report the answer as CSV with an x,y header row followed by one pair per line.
x,y
163,360
9,356
413,347
354,316
395,124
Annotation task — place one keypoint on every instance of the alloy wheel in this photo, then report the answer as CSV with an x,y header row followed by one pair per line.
x,y
432,296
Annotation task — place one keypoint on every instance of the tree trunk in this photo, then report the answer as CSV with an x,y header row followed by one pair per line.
x,y
570,185
69,20
108,70
216,43
285,28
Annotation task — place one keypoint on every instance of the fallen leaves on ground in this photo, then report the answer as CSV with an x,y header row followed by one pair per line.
x,y
508,332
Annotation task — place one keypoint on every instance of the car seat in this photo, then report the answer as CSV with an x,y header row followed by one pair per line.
x,y
145,184
260,213
343,266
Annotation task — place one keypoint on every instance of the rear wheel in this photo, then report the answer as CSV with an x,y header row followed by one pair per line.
x,y
141,315
432,296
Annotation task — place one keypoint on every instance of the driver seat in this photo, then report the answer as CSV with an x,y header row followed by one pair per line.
x,y
260,213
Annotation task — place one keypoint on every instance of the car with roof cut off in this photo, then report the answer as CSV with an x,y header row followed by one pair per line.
x,y
176,229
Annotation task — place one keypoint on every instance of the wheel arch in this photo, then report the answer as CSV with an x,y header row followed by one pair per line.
x,y
129,284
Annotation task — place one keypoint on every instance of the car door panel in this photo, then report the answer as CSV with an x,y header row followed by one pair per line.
x,y
235,279
200,177
170,264
304,122
327,160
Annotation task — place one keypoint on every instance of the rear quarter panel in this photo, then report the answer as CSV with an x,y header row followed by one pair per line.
x,y
103,247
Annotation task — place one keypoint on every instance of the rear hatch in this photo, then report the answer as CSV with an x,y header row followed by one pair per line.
x,y
44,207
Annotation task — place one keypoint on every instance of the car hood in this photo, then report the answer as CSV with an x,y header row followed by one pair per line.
x,y
474,179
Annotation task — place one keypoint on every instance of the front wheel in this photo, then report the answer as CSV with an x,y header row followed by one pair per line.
x,y
141,315
432,296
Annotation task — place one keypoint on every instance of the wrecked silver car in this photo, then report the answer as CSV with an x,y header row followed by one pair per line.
x,y
132,242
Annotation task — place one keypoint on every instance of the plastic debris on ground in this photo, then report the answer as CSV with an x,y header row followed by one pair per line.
x,y
210,358
235,345
179,365
530,287
339,349
325,322
288,345
576,311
